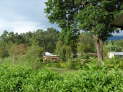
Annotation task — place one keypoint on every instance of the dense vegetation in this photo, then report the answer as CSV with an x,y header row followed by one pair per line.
x,y
20,79
29,46
83,24
93,16
16,48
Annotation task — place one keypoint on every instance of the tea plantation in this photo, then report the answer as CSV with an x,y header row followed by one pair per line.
x,y
88,79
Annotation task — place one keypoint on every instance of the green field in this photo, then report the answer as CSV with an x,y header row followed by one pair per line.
x,y
87,79
70,51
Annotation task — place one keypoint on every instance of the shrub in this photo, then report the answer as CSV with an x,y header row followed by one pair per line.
x,y
12,78
90,79
114,63
33,57
3,53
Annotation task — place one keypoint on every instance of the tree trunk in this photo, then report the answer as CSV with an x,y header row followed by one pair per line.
x,y
99,49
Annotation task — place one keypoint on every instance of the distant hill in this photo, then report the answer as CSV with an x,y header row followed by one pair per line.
x,y
116,37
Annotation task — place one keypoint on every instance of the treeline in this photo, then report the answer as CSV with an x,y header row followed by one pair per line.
x,y
34,43
29,46
46,39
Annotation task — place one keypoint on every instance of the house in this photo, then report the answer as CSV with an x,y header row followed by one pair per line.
x,y
50,57
115,54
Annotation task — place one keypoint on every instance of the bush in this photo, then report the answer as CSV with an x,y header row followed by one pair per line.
x,y
114,63
33,57
12,78
3,53
73,64
23,56
90,79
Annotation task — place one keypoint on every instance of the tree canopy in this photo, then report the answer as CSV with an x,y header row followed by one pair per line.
x,y
94,16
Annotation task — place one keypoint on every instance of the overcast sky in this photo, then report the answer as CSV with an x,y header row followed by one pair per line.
x,y
23,15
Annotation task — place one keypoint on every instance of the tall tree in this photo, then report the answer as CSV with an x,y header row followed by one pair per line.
x,y
96,17
86,44
62,13
46,39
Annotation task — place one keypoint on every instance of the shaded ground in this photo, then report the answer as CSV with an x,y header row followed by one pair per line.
x,y
61,70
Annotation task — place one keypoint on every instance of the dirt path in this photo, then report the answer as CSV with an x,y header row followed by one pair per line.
x,y
61,70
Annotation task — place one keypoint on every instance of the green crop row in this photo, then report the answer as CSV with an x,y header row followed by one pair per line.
x,y
21,79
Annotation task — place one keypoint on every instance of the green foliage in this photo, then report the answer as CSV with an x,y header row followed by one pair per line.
x,y
94,16
115,45
23,56
86,44
3,53
116,62
18,49
62,13
69,37
33,56
69,65
64,51
96,20
11,37
73,64
46,39
35,51
27,48
20,79
12,78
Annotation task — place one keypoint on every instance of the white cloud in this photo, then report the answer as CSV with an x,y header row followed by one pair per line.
x,y
22,27
23,15
19,26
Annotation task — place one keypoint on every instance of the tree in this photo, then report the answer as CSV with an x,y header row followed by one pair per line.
x,y
34,56
3,52
85,44
116,45
16,51
96,17
64,51
11,37
46,39
62,13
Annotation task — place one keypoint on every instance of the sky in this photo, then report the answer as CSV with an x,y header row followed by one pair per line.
x,y
23,15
